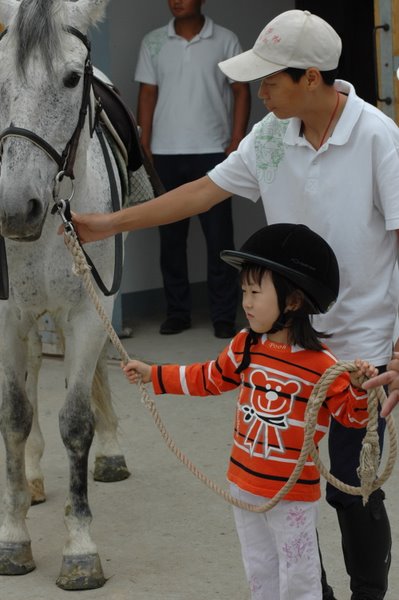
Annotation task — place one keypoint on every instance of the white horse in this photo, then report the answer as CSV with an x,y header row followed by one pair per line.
x,y
45,93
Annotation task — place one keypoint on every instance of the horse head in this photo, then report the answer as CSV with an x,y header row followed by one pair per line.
x,y
44,97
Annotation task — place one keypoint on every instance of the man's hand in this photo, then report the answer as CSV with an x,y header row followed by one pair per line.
x,y
90,227
390,378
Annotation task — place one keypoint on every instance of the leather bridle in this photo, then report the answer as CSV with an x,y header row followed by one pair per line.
x,y
66,160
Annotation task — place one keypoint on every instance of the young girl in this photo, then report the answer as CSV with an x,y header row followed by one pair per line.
x,y
288,272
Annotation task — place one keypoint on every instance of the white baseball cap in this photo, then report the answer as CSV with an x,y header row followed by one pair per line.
x,y
296,38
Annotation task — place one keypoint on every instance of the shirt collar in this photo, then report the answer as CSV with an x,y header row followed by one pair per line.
x,y
206,31
343,129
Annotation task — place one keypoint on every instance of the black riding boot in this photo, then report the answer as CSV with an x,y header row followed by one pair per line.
x,y
366,544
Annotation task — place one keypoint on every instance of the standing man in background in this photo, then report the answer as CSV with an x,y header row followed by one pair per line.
x,y
192,116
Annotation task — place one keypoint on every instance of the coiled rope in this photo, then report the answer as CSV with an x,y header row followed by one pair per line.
x,y
370,453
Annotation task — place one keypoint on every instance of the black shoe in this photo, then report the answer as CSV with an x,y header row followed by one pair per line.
x,y
224,330
328,594
174,325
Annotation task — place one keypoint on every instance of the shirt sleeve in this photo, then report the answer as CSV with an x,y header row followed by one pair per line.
x,y
145,70
347,404
386,172
237,173
199,379
233,46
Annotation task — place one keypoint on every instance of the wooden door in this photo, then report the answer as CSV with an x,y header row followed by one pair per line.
x,y
386,15
354,23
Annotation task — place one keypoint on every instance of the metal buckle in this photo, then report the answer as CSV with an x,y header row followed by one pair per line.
x,y
62,205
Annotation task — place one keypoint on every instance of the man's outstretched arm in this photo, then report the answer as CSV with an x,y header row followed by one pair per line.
x,y
185,201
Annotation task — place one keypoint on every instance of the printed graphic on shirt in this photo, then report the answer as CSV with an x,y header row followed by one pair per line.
x,y
266,413
269,147
155,40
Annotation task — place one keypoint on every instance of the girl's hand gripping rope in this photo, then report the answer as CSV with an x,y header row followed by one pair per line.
x,y
137,371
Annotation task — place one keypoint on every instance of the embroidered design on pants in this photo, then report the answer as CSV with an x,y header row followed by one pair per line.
x,y
297,549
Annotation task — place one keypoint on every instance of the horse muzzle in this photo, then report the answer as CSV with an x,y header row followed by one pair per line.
x,y
24,222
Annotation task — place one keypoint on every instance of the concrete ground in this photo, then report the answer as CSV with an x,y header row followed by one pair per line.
x,y
161,534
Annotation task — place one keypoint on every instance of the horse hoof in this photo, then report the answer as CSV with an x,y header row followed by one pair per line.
x,y
36,488
16,558
110,468
81,572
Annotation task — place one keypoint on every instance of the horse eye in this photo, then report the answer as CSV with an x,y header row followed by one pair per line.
x,y
72,80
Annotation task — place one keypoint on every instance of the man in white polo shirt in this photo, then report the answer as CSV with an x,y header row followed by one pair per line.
x,y
191,117
325,158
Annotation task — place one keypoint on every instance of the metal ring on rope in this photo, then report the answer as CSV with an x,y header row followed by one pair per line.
x,y
367,475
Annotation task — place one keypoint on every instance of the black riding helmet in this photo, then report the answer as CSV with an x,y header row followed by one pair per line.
x,y
297,253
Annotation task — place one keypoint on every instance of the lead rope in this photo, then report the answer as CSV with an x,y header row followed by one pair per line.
x,y
370,454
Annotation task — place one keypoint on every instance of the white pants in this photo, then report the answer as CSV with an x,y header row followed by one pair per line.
x,y
279,548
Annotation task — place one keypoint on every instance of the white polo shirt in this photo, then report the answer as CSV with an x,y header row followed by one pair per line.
x,y
348,192
193,111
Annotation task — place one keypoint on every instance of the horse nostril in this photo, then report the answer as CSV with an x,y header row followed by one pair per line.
x,y
34,210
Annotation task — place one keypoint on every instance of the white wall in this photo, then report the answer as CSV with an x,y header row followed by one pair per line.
x,y
127,22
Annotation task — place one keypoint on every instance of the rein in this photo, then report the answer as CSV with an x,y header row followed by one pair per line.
x,y
65,163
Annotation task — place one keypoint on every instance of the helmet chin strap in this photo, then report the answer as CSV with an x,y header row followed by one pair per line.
x,y
253,337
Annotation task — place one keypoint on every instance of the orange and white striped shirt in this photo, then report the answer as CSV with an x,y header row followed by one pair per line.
x,y
269,423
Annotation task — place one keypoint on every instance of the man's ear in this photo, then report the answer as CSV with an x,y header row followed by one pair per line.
x,y
313,77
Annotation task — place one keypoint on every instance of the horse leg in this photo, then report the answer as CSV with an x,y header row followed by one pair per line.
x,y
15,423
81,567
110,464
35,443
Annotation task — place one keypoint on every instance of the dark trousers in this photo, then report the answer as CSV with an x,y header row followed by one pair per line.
x,y
365,530
217,226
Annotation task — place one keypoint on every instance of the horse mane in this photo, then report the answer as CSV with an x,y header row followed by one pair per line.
x,y
38,26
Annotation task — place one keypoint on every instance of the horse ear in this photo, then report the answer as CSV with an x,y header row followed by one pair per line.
x,y
8,8
85,13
